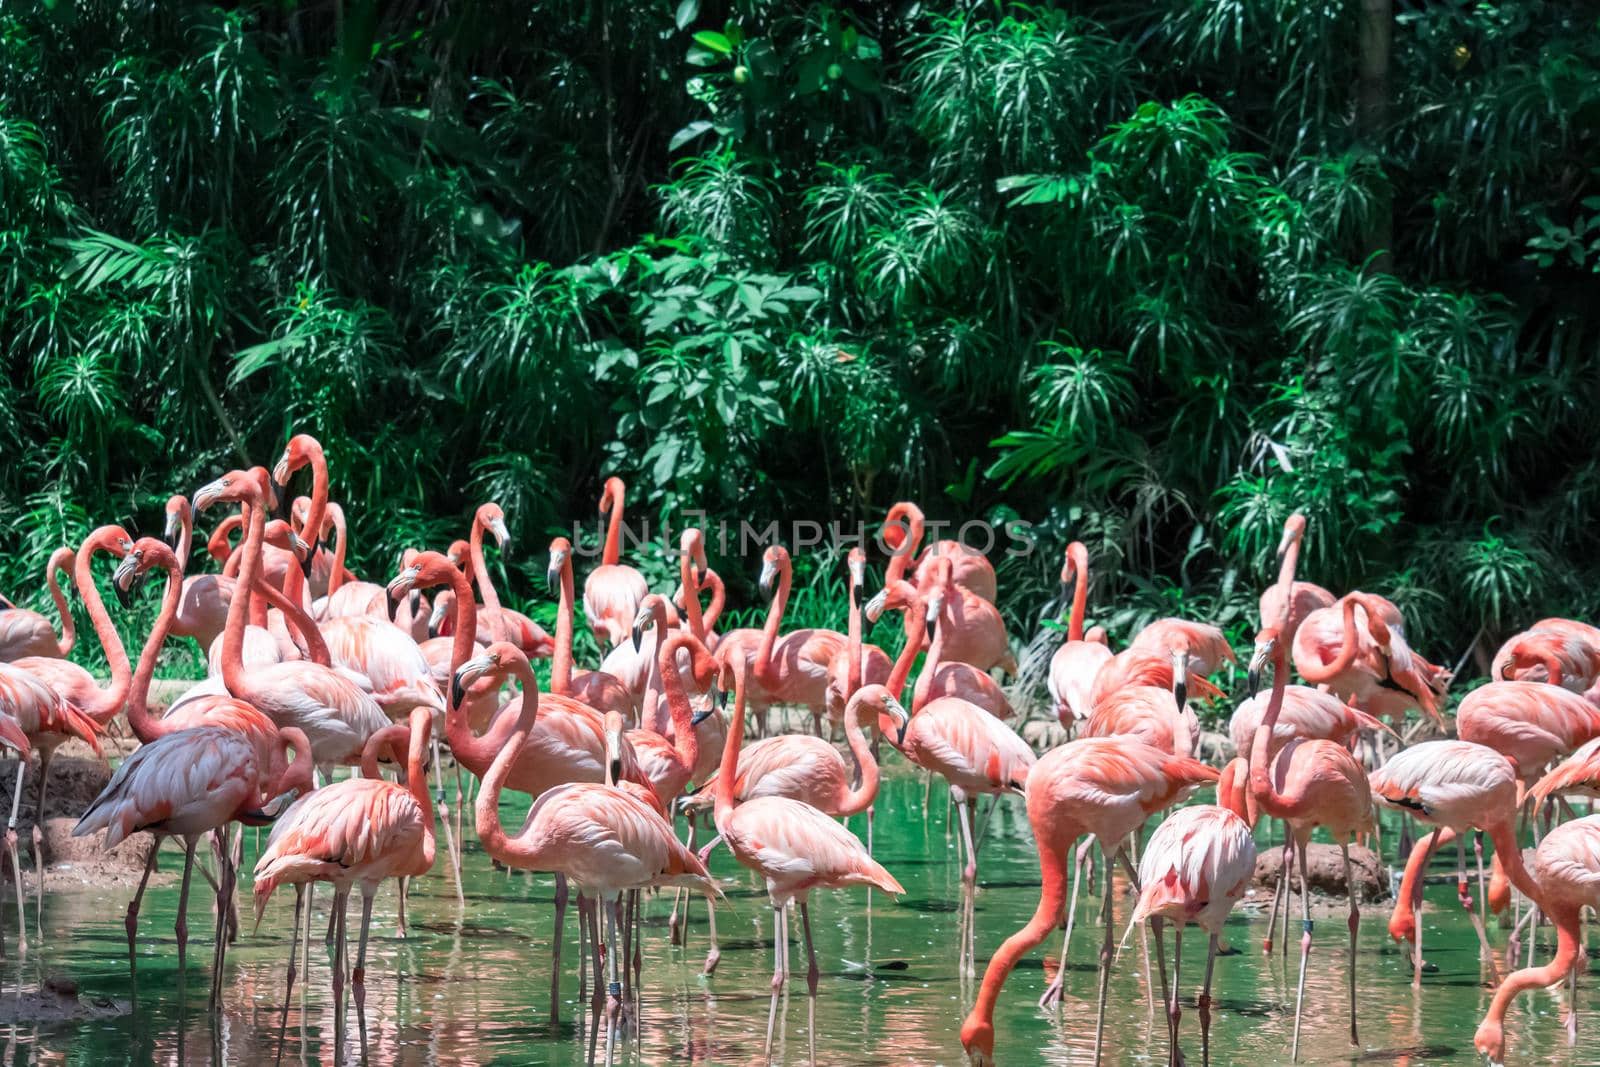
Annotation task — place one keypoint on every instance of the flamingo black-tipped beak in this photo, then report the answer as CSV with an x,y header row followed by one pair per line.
x,y
392,606
638,637
901,716
1258,663
280,499
311,556
552,579
875,605
173,529
703,714
769,574
414,601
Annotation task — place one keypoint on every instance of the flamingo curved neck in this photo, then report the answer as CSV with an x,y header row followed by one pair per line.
x,y
1566,920
1080,595
561,662
340,549
612,553
1319,673
690,580
108,701
916,619
765,674
511,852
723,807
59,560
930,665
233,672
295,617
145,728
853,672
861,797
185,535
907,549
491,599
685,741
311,531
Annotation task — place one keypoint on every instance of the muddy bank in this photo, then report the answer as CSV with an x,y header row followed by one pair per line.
x,y
1325,871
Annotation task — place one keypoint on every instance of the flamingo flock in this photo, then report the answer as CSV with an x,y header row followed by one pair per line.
x,y
335,706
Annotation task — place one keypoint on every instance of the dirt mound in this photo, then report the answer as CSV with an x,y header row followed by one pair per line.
x,y
1325,871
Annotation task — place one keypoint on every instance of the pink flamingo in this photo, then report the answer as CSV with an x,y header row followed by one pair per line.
x,y
1149,714
1567,868
1102,786
336,713
788,670
598,836
1559,651
1080,657
28,633
24,698
599,690
1453,786
902,531
974,751
358,831
694,577
952,678
1309,784
503,624
1148,667
1196,649
187,784
1304,597
612,592
1308,714
1197,866
1530,723
1577,775
974,631
633,663
789,844
1367,659
669,765
566,744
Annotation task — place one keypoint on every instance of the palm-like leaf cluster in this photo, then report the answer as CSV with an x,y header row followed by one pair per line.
x,y
1152,274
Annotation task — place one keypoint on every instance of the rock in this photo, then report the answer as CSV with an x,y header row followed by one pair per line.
x,y
1325,871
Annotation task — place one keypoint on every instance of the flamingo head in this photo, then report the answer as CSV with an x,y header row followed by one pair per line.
x,y
1491,1040
560,552
177,514
977,1037
235,487
1266,648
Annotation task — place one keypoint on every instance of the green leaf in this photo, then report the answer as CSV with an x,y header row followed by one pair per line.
x,y
687,10
713,41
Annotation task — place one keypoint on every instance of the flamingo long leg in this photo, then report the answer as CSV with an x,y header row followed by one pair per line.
x,y
358,979
811,951
555,947
16,862
1305,950
131,922
181,927
1053,992
1205,1002
1175,1011
1158,926
777,947
1464,895
714,953
1105,963
1355,924
294,951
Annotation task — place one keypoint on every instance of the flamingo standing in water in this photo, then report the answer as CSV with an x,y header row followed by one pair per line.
x,y
332,709
599,690
1453,786
1197,866
859,664
1309,784
1104,786
27,633
360,831
612,592
1566,867
789,844
503,624
187,784
1080,657
602,838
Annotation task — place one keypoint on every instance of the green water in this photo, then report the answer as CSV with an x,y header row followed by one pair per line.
x,y
471,986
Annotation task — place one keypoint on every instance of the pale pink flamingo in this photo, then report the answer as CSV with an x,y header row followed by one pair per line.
x,y
789,844
694,577
668,764
1196,867
1367,658
566,744
24,632
1149,667
1530,723
1562,652
1577,775
1309,714
612,592
1453,786
1148,713
942,677
1304,597
633,663
357,832
502,623
1080,657
1198,647
597,689
903,529
1566,867
187,784
973,630
792,669
602,838
335,712
1100,786
1308,784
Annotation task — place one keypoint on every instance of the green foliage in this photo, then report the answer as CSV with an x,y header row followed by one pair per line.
x,y
1152,276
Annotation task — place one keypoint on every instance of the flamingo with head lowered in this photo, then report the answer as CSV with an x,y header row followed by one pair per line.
x,y
27,633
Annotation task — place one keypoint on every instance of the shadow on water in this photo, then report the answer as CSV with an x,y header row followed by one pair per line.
x,y
472,986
